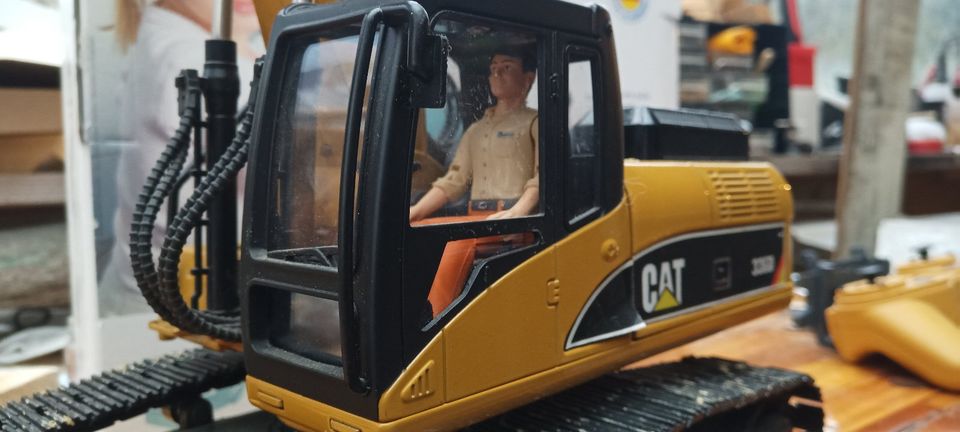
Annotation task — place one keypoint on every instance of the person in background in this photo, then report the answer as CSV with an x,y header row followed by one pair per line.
x,y
161,38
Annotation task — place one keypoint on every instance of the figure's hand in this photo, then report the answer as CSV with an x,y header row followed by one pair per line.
x,y
416,214
505,214
434,199
525,205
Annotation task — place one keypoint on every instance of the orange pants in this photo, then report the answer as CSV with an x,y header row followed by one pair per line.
x,y
458,256
455,264
452,273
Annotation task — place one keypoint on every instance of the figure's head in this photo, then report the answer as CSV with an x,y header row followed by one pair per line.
x,y
512,73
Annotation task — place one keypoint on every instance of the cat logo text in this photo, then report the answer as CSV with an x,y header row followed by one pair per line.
x,y
662,285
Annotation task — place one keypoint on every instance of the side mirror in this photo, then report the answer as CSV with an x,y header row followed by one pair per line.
x,y
426,60
429,87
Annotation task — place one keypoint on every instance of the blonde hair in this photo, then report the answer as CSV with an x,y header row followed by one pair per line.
x,y
128,21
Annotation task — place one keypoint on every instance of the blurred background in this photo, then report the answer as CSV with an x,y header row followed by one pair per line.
x,y
87,98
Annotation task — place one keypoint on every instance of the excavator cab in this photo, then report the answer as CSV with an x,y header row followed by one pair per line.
x,y
363,107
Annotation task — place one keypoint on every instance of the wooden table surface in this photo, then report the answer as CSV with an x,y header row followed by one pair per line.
x,y
876,395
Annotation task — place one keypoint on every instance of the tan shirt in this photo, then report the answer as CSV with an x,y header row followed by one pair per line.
x,y
497,157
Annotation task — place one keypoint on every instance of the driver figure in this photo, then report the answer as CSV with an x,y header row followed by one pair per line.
x,y
498,157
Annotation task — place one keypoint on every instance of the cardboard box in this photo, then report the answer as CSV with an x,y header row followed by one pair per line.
x,y
30,111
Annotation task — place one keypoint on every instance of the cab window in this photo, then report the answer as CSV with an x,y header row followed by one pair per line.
x,y
305,174
477,159
308,148
582,183
478,156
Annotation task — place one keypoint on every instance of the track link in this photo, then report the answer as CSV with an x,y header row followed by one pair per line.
x,y
98,402
695,393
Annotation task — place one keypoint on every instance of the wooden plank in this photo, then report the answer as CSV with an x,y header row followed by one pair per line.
x,y
872,165
22,190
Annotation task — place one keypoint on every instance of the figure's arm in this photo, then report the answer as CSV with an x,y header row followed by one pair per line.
x,y
448,188
431,202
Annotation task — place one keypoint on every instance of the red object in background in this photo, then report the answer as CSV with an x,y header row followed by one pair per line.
x,y
925,146
794,19
800,63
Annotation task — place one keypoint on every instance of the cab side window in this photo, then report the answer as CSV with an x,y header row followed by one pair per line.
x,y
477,159
478,156
582,176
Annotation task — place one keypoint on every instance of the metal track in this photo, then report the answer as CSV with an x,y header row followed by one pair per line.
x,y
123,393
696,393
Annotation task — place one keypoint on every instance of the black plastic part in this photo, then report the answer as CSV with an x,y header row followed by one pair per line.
x,y
189,79
430,90
613,309
350,345
157,188
175,380
823,278
192,412
221,89
165,288
696,394
686,135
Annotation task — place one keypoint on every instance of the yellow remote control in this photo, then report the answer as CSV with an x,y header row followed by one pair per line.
x,y
912,317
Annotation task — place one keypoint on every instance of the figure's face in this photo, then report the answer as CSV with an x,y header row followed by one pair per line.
x,y
507,78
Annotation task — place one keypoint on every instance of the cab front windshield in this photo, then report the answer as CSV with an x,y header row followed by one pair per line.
x,y
308,148
304,202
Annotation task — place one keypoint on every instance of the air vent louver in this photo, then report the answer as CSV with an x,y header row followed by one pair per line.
x,y
743,194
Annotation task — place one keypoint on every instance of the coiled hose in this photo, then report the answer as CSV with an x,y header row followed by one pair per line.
x,y
154,192
212,323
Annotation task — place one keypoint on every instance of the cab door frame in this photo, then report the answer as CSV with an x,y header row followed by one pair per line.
x,y
369,333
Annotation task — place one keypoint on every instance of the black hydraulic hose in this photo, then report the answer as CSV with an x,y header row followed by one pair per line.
x,y
177,233
157,188
209,322
154,191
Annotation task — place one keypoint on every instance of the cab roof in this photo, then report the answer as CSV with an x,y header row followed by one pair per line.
x,y
560,15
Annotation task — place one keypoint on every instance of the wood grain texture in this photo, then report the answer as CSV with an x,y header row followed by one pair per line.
x,y
875,395
874,146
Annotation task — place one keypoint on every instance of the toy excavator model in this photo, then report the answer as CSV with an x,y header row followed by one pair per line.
x,y
550,254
